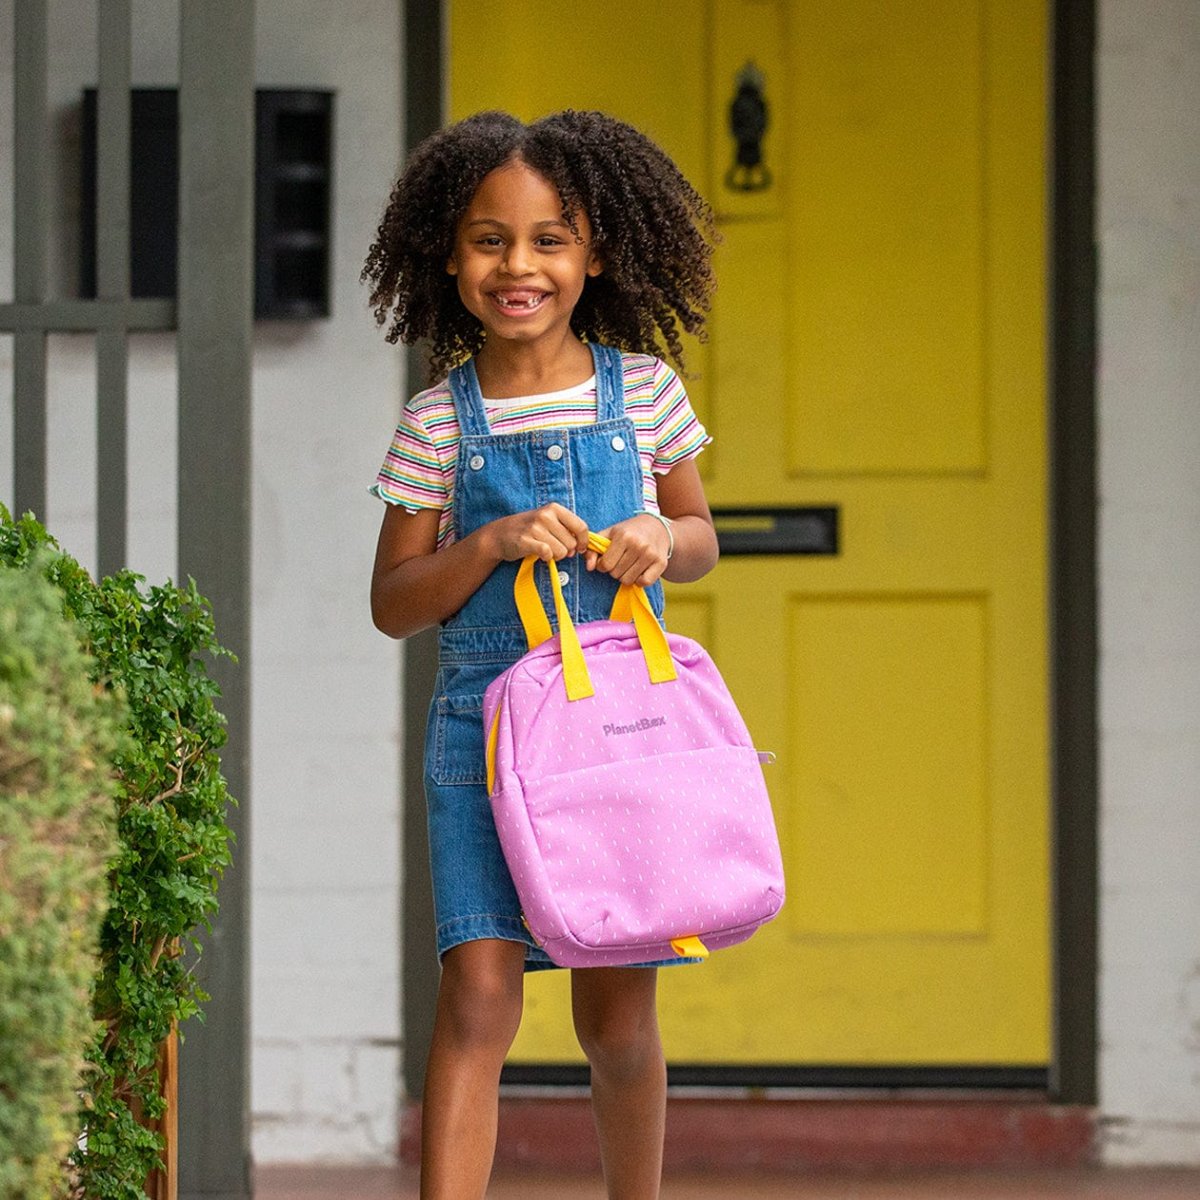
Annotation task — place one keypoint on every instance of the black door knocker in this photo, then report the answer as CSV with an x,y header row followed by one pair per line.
x,y
747,124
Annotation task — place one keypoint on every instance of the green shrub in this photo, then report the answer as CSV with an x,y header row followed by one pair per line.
x,y
58,732
150,643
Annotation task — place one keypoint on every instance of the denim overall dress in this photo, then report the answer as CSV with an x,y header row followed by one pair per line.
x,y
594,471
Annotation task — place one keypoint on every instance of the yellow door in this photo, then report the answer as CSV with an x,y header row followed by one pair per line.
x,y
877,348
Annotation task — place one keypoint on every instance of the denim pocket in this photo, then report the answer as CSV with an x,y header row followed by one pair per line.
x,y
458,740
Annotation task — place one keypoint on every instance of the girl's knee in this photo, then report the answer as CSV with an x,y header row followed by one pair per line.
x,y
613,1046
617,1032
480,996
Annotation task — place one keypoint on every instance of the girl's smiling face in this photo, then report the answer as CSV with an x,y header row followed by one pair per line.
x,y
519,267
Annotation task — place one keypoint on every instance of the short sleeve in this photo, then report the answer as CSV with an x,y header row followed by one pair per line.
x,y
679,433
412,474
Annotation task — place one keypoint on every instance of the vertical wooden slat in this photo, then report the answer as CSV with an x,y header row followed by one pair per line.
x,y
30,209
112,279
216,258
168,1069
163,1182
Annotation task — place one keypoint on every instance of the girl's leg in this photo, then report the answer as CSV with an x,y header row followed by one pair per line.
x,y
616,1020
478,1011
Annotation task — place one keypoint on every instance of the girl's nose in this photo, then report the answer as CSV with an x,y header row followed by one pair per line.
x,y
518,260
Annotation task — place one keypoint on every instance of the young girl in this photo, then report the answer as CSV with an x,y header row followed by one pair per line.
x,y
548,257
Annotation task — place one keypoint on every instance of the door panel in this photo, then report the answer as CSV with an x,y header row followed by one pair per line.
x,y
876,344
888,252
901,680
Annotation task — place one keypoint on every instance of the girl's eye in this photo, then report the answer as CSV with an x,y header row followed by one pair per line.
x,y
489,240
547,240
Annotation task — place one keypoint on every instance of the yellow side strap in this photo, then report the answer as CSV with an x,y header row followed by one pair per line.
x,y
689,947
493,737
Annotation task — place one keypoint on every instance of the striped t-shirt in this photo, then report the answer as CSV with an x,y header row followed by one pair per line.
x,y
418,471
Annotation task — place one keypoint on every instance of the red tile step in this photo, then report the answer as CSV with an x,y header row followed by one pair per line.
x,y
556,1133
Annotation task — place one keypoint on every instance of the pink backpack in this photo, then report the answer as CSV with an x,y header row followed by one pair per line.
x,y
629,800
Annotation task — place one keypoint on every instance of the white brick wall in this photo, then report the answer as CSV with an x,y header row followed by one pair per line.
x,y
1149,433
326,838
325,1008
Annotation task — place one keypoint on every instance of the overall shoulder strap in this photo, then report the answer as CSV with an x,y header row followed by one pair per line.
x,y
468,400
610,382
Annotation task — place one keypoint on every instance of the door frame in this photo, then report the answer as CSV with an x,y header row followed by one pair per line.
x,y
1073,585
1074,652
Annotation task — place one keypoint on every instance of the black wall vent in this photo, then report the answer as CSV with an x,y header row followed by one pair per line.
x,y
292,208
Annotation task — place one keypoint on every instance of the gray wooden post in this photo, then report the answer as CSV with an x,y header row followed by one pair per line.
x,y
31,204
112,280
216,190
419,978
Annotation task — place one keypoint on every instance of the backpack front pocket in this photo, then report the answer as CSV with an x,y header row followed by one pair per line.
x,y
682,843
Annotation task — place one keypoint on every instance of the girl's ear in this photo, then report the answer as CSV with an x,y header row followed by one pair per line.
x,y
595,264
451,266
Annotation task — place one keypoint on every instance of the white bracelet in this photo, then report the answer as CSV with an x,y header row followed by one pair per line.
x,y
666,522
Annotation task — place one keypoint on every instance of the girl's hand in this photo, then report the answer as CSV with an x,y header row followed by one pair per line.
x,y
551,532
638,553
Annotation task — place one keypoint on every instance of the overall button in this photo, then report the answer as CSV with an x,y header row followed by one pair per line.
x,y
475,462
564,578
554,453
618,443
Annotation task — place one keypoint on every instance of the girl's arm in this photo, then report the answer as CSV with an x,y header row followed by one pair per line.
x,y
414,585
638,553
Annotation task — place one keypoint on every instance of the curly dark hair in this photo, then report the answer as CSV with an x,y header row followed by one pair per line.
x,y
653,232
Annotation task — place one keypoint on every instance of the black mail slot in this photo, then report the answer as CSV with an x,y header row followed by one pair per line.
x,y
807,530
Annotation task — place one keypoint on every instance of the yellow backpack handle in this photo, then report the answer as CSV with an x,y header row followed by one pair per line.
x,y
630,603
537,626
